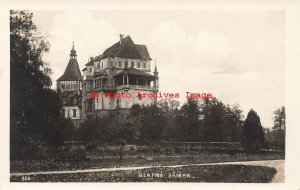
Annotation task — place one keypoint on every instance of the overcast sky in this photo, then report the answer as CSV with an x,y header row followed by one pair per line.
x,y
238,56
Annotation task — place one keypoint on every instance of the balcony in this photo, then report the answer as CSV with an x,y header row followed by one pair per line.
x,y
139,87
100,88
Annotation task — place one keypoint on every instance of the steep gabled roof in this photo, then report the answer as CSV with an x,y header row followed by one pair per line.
x,y
72,72
71,98
127,49
91,62
133,71
143,51
97,58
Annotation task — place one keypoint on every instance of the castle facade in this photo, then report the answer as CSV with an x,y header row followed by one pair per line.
x,y
123,68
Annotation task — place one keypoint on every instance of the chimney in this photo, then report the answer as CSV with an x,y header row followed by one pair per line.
x,y
121,38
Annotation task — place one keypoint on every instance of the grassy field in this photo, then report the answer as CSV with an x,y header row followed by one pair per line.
x,y
213,173
106,162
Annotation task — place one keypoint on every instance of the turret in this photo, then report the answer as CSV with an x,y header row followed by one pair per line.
x,y
71,79
156,81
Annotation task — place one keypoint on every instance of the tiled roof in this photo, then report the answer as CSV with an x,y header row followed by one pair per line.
x,y
127,49
143,51
133,71
97,58
91,62
71,98
72,72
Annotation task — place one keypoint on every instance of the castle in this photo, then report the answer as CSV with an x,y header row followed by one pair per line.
x,y
125,67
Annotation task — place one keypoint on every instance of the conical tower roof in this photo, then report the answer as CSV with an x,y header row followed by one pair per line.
x,y
72,72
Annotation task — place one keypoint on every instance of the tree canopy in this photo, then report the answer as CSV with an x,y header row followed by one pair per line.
x,y
34,107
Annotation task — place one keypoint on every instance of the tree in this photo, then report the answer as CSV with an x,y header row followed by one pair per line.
x,y
279,128
233,123
169,108
188,120
152,124
95,130
63,130
213,117
30,114
252,133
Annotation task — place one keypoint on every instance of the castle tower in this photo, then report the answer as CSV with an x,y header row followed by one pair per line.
x,y
71,79
69,86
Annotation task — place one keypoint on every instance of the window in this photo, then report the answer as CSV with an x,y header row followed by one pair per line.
x,y
90,69
120,64
89,105
132,64
97,82
64,112
126,64
101,64
139,64
98,65
74,113
118,103
144,65
111,63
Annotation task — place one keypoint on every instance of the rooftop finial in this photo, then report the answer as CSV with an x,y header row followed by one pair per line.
x,y
121,38
155,69
73,45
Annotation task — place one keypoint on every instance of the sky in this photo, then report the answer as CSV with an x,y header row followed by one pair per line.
x,y
237,56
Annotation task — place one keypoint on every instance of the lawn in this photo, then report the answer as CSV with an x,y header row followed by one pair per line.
x,y
106,162
208,173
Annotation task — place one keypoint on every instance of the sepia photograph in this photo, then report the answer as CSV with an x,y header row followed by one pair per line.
x,y
147,96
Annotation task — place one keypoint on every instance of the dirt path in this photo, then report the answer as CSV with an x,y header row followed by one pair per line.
x,y
277,164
